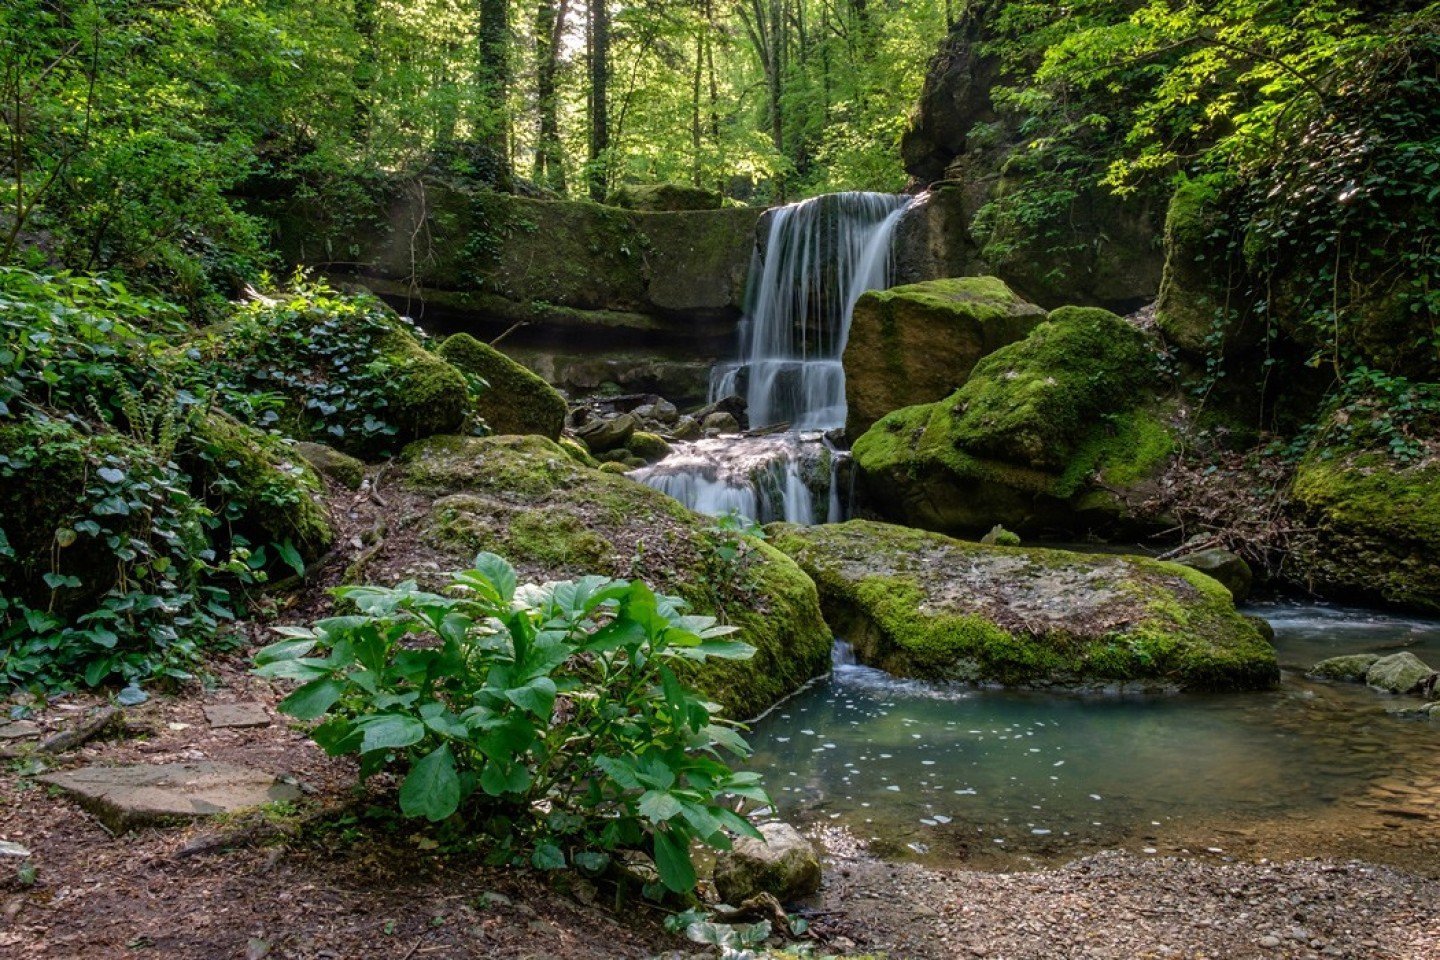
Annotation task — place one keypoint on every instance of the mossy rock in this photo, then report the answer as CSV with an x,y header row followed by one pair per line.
x,y
342,468
1374,527
923,605
649,447
515,401
528,500
268,488
578,452
917,343
664,197
1197,309
1351,668
1061,431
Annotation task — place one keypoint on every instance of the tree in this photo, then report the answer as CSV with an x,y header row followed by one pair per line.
x,y
493,76
599,42
549,151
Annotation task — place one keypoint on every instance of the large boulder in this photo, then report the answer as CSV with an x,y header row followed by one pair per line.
x,y
530,501
1398,673
1228,568
1060,431
917,343
923,605
783,864
514,400
1372,526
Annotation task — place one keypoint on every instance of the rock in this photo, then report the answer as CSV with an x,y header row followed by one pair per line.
x,y
618,467
1353,667
923,605
578,452
648,447
1224,566
721,423
687,428
516,400
11,849
525,499
1398,673
733,405
917,343
1374,526
332,464
784,865
1060,431
1000,537
236,715
662,412
19,730
664,197
144,794
603,435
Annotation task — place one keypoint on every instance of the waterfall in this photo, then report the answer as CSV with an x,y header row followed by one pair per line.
x,y
815,260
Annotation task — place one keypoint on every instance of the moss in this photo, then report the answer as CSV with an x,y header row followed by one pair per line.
x,y
526,499
431,396
648,446
1375,523
268,488
665,197
578,452
921,604
1192,296
329,462
615,466
515,401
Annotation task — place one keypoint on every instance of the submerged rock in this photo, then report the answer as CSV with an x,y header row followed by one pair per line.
x,y
527,500
1054,432
1224,566
924,605
783,865
1353,667
1398,673
918,343
515,401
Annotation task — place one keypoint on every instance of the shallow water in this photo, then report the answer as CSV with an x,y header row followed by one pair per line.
x,y
991,777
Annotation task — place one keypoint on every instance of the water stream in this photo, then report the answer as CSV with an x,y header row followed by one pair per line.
x,y
817,257
997,778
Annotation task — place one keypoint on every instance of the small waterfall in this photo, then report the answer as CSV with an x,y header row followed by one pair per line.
x,y
816,259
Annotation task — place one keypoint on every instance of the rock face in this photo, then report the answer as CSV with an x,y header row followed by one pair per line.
x,y
1353,667
664,197
528,500
783,865
144,795
1398,673
1052,433
1222,565
1100,250
923,605
1376,526
917,343
515,400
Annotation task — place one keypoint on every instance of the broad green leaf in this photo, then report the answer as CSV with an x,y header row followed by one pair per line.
x,y
537,696
432,788
313,699
547,856
389,731
657,806
672,859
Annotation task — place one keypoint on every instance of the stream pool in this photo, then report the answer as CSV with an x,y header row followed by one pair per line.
x,y
996,778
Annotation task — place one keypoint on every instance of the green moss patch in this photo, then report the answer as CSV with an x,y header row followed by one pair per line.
x,y
924,605
514,400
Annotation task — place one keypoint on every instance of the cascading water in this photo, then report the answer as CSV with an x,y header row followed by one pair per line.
x,y
816,260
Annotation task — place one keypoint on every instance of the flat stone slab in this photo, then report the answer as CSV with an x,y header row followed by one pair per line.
x,y
223,716
19,730
147,794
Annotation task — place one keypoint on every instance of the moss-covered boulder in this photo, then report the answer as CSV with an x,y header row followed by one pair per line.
x,y
664,197
352,372
267,490
917,343
1352,667
923,605
330,463
1373,526
515,401
1057,432
528,500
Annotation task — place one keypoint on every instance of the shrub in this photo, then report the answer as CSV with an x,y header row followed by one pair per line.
x,y
557,706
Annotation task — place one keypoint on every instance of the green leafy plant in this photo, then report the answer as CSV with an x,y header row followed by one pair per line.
x,y
557,707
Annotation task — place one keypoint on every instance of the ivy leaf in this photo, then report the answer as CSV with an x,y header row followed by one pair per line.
x,y
111,475
547,856
432,788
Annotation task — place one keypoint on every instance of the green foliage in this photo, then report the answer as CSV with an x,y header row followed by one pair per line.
x,y
556,707
344,370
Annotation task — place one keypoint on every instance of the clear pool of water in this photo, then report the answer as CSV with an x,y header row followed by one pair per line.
x,y
991,776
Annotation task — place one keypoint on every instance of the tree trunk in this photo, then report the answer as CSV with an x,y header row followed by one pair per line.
x,y
549,153
493,80
599,98
363,75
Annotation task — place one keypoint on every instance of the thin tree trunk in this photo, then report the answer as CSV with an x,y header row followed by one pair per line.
x,y
599,98
493,76
363,76
549,153
696,175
